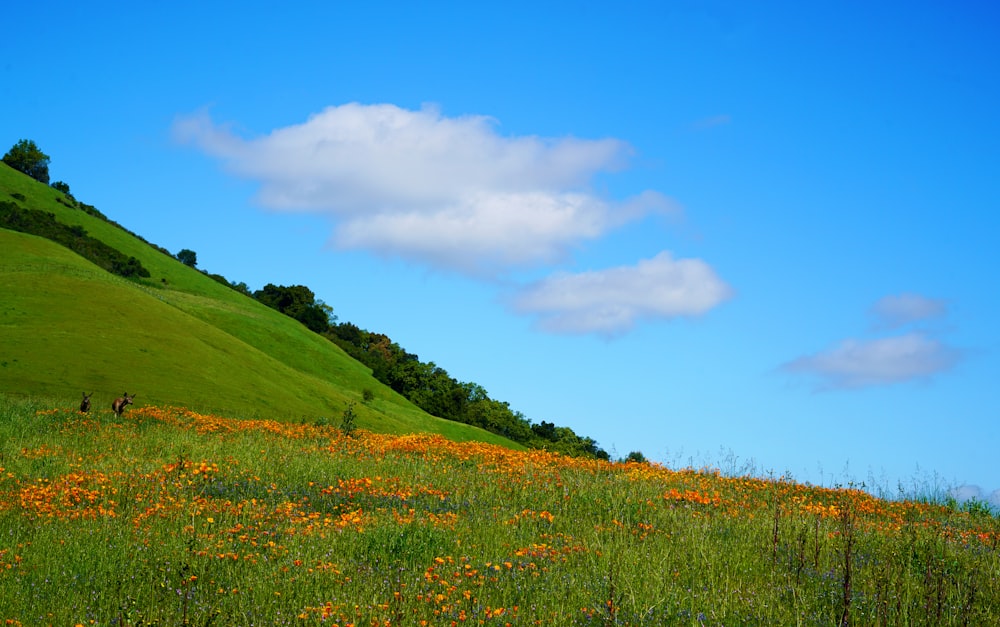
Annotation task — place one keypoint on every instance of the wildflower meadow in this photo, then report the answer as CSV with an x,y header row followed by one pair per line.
x,y
164,516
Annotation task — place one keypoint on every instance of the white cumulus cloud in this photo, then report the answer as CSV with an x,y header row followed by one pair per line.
x,y
858,363
609,302
450,192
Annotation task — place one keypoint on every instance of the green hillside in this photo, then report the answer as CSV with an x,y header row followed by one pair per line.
x,y
175,338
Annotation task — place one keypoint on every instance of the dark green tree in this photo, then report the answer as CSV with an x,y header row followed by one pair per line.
x,y
62,187
545,431
349,333
299,302
188,257
26,157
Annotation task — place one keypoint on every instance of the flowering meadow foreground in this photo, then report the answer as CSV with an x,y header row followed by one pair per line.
x,y
168,517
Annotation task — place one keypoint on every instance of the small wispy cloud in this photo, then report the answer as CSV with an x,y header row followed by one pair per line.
x,y
965,492
910,356
892,312
448,192
711,121
610,302
858,363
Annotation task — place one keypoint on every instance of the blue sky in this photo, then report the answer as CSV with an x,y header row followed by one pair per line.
x,y
714,232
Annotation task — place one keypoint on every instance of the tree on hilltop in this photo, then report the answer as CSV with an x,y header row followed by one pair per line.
x,y
636,456
188,257
26,157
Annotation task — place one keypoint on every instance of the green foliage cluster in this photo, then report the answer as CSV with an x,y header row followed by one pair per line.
x,y
637,457
26,157
425,384
91,210
75,238
299,302
431,388
348,424
188,257
63,187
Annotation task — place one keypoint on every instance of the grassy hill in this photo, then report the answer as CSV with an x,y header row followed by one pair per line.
x,y
168,517
175,338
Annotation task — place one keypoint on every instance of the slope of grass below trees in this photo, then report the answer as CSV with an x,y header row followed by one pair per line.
x,y
178,337
230,307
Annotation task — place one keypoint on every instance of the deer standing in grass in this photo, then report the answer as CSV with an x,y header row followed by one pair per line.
x,y
85,403
119,405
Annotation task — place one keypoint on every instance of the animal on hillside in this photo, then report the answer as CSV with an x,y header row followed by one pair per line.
x,y
119,405
85,403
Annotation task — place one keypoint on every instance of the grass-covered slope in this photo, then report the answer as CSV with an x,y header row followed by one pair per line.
x,y
167,517
176,338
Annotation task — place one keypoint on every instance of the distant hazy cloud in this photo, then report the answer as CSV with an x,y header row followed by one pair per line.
x,y
905,357
898,310
965,492
711,122
449,192
968,492
856,363
609,302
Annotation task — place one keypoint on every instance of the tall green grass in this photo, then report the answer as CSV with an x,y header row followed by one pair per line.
x,y
165,516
